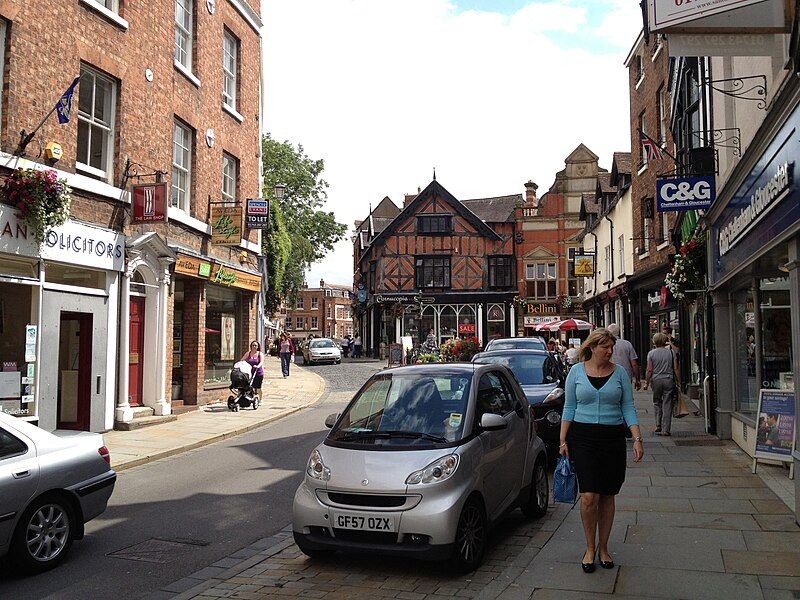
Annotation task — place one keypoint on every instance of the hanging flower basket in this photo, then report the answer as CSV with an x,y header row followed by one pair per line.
x,y
688,268
41,198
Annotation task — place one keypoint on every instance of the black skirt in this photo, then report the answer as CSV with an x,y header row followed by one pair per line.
x,y
598,454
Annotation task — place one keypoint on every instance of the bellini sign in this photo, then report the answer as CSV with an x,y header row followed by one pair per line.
x,y
763,200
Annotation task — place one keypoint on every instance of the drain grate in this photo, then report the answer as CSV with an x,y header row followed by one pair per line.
x,y
699,442
156,550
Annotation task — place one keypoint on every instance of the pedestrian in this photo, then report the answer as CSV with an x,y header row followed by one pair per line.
x,y
345,345
625,356
571,355
429,346
255,358
597,408
663,371
287,352
672,342
357,347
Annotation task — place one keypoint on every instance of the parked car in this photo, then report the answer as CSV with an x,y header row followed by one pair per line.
x,y
535,343
421,462
50,485
542,379
321,350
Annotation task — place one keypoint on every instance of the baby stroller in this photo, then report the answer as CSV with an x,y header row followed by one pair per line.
x,y
242,375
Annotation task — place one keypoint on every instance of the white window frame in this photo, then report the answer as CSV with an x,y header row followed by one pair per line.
x,y
230,72
314,323
639,67
550,274
314,302
662,117
183,202
664,227
3,34
607,258
646,235
230,176
621,242
186,34
107,173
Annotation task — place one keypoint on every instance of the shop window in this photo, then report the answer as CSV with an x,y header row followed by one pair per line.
x,y
501,269
26,269
15,313
541,280
466,322
432,272
496,321
448,323
223,338
434,224
75,276
177,341
746,395
776,334
427,323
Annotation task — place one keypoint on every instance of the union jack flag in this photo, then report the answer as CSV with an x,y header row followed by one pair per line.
x,y
650,147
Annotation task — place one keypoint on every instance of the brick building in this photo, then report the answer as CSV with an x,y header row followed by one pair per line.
x,y
168,90
324,311
548,238
651,306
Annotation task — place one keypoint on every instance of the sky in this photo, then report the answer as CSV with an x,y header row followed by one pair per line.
x,y
489,93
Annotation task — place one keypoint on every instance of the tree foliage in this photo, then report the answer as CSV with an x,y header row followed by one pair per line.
x,y
277,247
311,231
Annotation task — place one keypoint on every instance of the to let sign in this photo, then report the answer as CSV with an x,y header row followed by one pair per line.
x,y
257,216
226,225
149,202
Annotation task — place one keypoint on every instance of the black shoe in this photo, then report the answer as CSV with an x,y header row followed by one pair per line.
x,y
587,567
607,564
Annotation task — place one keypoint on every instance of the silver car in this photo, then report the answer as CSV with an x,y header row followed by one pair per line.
x,y
421,462
49,487
321,350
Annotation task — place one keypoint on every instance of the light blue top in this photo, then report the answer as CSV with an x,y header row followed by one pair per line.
x,y
612,404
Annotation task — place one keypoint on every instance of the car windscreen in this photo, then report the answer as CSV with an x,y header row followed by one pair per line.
x,y
322,344
529,369
517,344
406,410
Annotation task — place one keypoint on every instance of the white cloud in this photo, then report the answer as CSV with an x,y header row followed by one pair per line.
x,y
386,90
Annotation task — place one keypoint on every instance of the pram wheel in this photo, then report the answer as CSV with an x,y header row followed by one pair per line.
x,y
256,401
232,403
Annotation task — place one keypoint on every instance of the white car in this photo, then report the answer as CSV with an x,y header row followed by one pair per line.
x,y
50,485
320,350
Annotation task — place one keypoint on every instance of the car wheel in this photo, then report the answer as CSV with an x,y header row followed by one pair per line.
x,y
43,535
471,533
536,506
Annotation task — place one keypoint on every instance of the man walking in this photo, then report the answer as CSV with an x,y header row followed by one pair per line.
x,y
625,356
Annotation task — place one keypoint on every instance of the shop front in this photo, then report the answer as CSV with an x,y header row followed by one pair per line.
x,y
755,281
214,321
535,314
58,323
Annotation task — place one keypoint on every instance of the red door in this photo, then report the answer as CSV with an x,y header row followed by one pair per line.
x,y
75,371
135,357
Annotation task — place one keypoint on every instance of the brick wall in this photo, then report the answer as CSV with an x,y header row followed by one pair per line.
x,y
194,339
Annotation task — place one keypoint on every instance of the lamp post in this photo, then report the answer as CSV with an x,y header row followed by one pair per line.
x,y
280,191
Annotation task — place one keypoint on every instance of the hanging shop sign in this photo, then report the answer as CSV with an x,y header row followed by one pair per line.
x,y
694,15
257,216
226,225
534,321
684,193
584,265
216,273
73,242
775,431
149,202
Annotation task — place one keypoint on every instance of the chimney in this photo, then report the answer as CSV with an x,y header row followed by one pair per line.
x,y
530,195
322,283
408,198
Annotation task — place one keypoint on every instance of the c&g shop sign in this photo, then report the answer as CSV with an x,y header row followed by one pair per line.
x,y
73,242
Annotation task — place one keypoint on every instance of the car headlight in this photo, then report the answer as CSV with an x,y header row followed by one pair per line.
x,y
437,471
316,469
554,396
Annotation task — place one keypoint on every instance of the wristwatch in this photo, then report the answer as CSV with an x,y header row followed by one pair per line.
x,y
637,439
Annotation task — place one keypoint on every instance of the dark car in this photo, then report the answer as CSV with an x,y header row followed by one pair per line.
x,y
542,379
516,343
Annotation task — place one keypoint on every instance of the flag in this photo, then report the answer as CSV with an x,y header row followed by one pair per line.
x,y
650,147
64,105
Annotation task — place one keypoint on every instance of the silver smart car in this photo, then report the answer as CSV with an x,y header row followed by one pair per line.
x,y
420,463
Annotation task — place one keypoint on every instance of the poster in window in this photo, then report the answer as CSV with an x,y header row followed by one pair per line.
x,y
775,432
228,351
584,265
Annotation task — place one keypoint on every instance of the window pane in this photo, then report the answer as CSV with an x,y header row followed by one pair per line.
x,y
551,270
85,92
83,141
102,101
97,149
540,268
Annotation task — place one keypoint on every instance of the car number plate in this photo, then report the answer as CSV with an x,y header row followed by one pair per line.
x,y
363,522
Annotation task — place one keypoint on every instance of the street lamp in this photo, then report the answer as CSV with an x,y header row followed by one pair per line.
x,y
280,190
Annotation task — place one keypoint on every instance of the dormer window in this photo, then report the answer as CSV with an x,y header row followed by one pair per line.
x,y
434,224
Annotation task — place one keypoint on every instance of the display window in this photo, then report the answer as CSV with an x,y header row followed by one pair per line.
x,y
223,333
495,321
18,339
744,342
775,359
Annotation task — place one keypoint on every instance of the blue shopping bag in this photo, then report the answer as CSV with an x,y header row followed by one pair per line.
x,y
565,482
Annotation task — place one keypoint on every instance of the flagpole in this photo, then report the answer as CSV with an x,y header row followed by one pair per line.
x,y
26,138
643,134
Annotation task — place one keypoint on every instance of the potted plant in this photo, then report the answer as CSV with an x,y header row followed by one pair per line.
x,y
688,268
41,198
458,350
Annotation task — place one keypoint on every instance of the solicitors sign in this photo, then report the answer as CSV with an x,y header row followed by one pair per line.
x,y
684,193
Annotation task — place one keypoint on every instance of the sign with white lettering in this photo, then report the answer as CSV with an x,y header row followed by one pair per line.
x,y
257,216
684,193
73,242
149,202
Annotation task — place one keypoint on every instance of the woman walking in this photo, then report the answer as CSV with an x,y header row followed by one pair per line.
x,y
255,358
597,409
663,371
286,347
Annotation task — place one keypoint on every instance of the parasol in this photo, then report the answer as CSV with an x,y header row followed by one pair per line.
x,y
570,325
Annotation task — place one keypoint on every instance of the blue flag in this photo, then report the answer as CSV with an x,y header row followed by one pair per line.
x,y
64,106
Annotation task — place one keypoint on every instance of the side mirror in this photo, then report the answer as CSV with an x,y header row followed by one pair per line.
x,y
492,422
331,419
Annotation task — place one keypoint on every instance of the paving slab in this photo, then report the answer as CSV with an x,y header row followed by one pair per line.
x,y
723,506
777,522
762,563
685,537
670,583
779,582
710,492
700,520
657,504
569,576
779,541
757,493
771,507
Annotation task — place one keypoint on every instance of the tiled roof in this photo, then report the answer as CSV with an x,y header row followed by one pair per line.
x,y
623,162
380,223
604,181
499,209
590,203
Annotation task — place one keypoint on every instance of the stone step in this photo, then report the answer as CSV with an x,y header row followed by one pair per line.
x,y
140,422
182,409
142,411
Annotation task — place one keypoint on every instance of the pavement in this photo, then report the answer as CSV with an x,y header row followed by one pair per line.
x,y
214,422
691,522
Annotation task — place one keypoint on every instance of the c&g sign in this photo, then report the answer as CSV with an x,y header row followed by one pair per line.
x,y
684,193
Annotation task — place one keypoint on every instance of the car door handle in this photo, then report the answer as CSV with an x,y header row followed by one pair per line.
x,y
21,474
